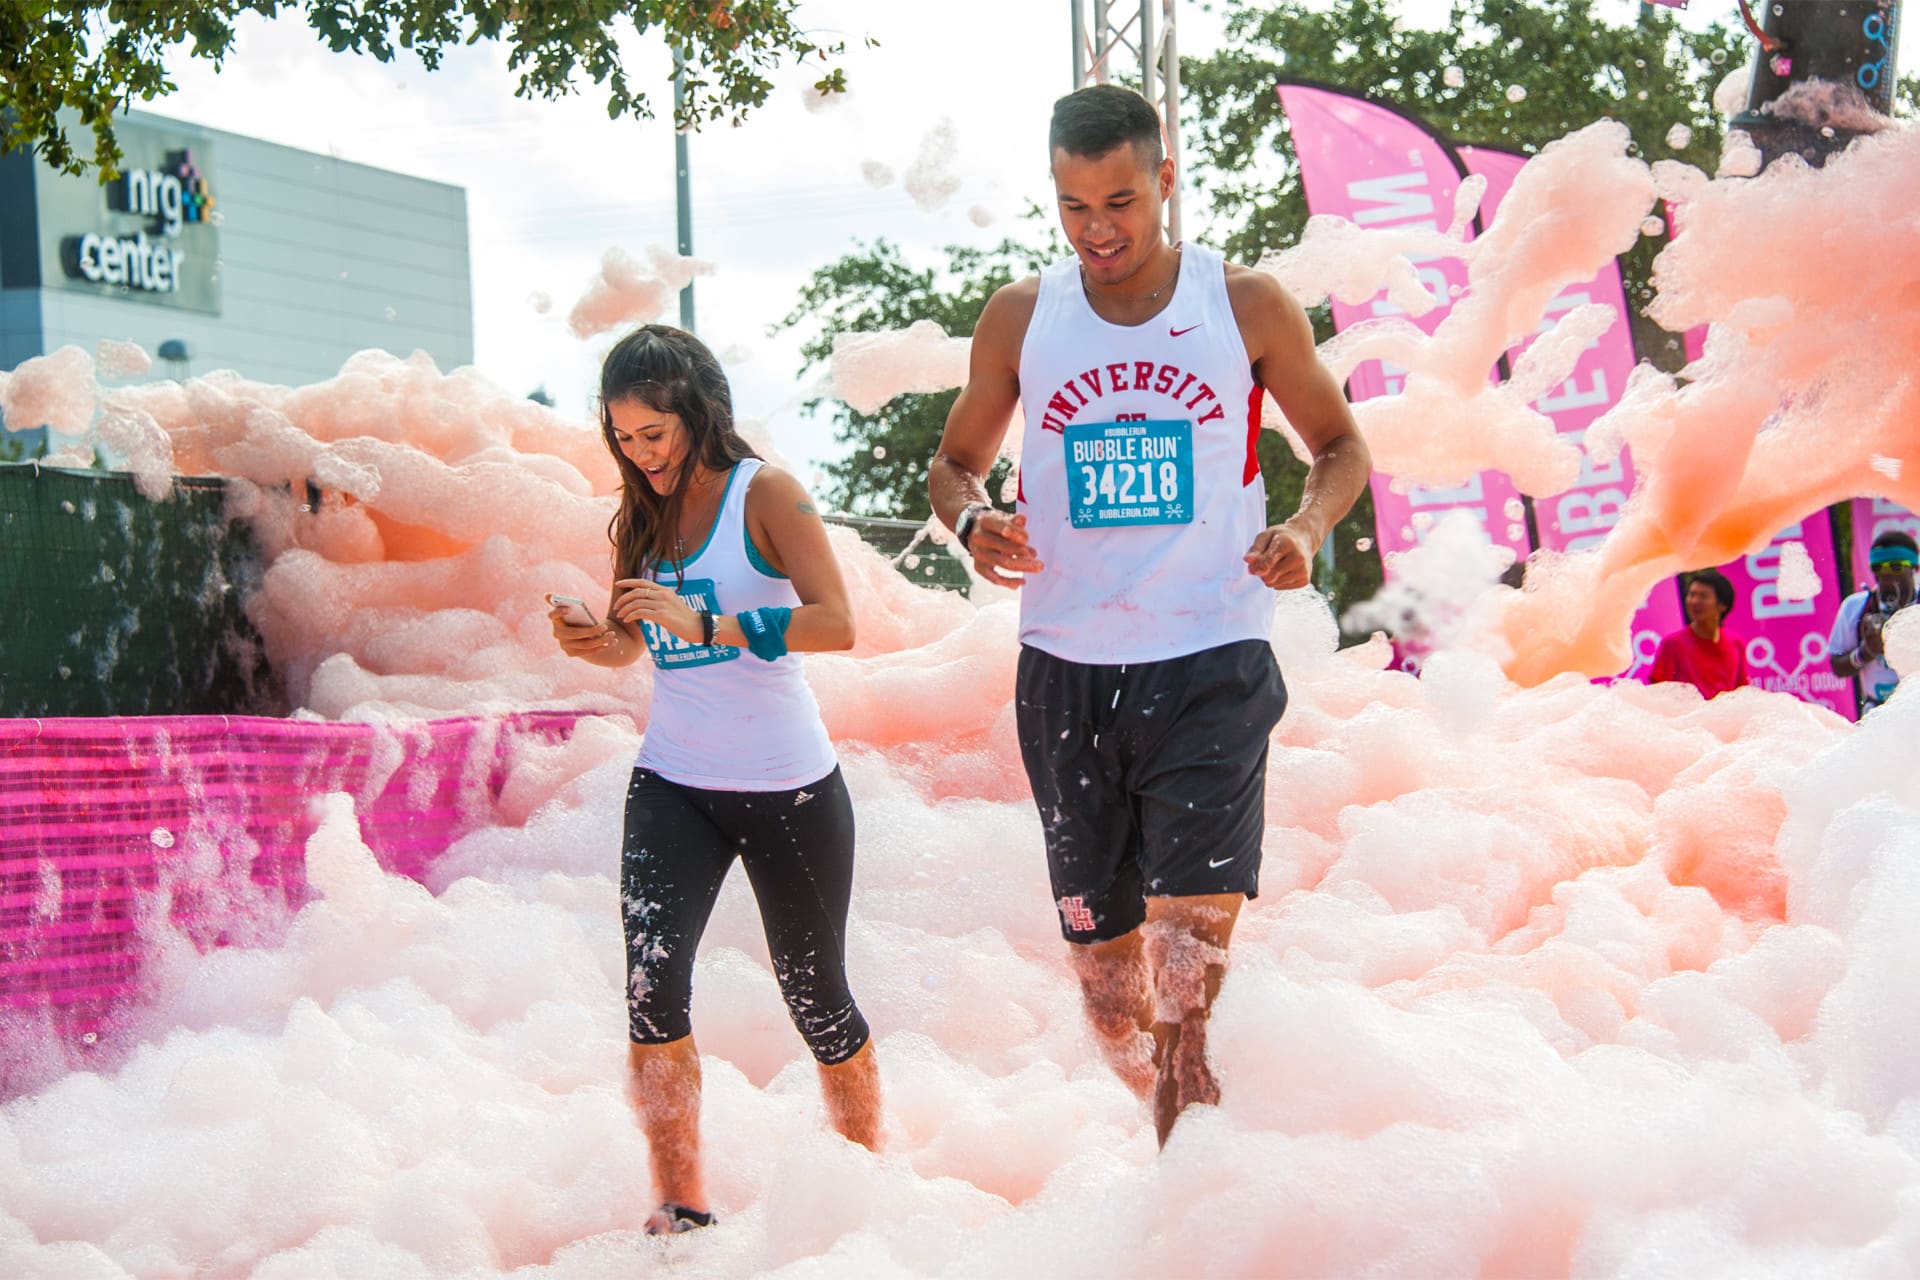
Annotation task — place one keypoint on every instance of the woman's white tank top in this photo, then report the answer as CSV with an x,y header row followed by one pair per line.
x,y
722,719
1138,476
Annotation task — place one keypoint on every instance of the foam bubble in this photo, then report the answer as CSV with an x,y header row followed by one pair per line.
x,y
627,290
1799,580
929,179
121,359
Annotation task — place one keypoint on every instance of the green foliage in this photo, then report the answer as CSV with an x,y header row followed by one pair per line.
x,y
15,448
1572,67
99,56
874,289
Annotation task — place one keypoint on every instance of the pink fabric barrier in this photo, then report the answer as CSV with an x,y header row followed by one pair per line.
x,y
106,823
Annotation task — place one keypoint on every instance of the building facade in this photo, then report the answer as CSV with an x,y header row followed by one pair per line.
x,y
213,250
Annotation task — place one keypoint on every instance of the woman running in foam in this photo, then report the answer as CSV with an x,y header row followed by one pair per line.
x,y
723,571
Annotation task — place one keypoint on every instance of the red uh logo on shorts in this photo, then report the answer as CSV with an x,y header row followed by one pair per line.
x,y
1074,912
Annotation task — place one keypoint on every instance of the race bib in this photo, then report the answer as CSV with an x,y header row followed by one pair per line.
x,y
670,652
1124,473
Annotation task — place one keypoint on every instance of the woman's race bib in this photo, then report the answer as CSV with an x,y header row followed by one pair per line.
x,y
670,652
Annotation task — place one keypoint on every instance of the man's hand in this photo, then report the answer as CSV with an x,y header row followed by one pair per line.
x,y
1872,643
1282,557
1001,553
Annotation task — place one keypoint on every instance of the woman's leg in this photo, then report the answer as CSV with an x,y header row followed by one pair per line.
x,y
852,1093
673,862
663,1083
797,847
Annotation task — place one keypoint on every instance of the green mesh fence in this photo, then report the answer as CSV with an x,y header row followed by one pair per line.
x,y
111,604
920,561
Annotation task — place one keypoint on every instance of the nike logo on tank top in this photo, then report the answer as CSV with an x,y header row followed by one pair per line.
x,y
1137,474
722,719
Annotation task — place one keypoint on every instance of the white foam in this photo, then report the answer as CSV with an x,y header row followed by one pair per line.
x,y
1546,977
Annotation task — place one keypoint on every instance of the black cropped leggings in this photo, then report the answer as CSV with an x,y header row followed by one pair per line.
x,y
797,847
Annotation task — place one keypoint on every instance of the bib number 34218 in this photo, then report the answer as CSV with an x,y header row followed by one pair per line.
x,y
1125,473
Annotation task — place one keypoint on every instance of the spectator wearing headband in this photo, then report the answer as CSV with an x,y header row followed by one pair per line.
x,y
1856,648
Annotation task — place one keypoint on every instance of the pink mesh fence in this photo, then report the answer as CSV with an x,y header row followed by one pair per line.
x,y
112,828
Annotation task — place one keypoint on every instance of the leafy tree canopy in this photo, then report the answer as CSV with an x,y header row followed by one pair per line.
x,y
874,288
98,56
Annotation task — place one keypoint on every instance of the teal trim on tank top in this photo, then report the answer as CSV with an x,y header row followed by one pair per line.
x,y
754,557
679,566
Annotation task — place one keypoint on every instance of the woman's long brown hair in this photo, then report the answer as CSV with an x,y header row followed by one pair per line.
x,y
670,371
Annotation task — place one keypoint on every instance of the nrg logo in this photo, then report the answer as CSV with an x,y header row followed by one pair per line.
x,y
174,195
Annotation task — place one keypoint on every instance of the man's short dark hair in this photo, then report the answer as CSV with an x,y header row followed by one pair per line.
x,y
1091,122
1897,538
1722,589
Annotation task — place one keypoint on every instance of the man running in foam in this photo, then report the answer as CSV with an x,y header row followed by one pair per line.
x,y
1147,687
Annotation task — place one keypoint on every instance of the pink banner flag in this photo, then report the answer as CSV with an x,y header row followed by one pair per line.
x,y
1380,169
1787,638
1580,516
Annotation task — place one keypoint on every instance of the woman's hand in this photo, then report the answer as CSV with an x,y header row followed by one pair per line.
x,y
637,600
579,642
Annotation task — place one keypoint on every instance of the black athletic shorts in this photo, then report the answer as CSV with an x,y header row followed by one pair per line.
x,y
1150,777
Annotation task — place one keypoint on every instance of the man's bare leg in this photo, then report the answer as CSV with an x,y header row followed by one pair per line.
x,y
663,1083
1117,992
852,1093
1186,951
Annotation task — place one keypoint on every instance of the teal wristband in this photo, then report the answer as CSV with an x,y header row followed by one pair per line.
x,y
766,631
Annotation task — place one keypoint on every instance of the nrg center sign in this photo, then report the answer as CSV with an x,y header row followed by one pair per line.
x,y
153,234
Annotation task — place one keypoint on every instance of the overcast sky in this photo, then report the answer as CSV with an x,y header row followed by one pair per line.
x,y
552,185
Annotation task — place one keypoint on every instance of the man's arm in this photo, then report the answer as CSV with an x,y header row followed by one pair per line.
x,y
957,478
1843,657
1279,340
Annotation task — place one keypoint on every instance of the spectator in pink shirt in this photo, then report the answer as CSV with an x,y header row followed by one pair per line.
x,y
1703,654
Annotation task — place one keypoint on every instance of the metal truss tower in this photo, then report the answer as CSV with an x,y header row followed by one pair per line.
x,y
1123,39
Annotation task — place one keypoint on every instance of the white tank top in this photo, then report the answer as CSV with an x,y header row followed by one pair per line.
x,y
1138,476
722,719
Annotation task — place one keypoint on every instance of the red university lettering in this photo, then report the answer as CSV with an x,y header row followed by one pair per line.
x,y
1138,375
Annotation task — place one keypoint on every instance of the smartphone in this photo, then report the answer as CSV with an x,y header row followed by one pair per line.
x,y
573,610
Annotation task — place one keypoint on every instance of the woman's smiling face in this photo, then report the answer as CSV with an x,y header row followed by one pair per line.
x,y
653,440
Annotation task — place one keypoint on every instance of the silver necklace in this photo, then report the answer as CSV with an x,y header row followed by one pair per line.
x,y
1142,301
